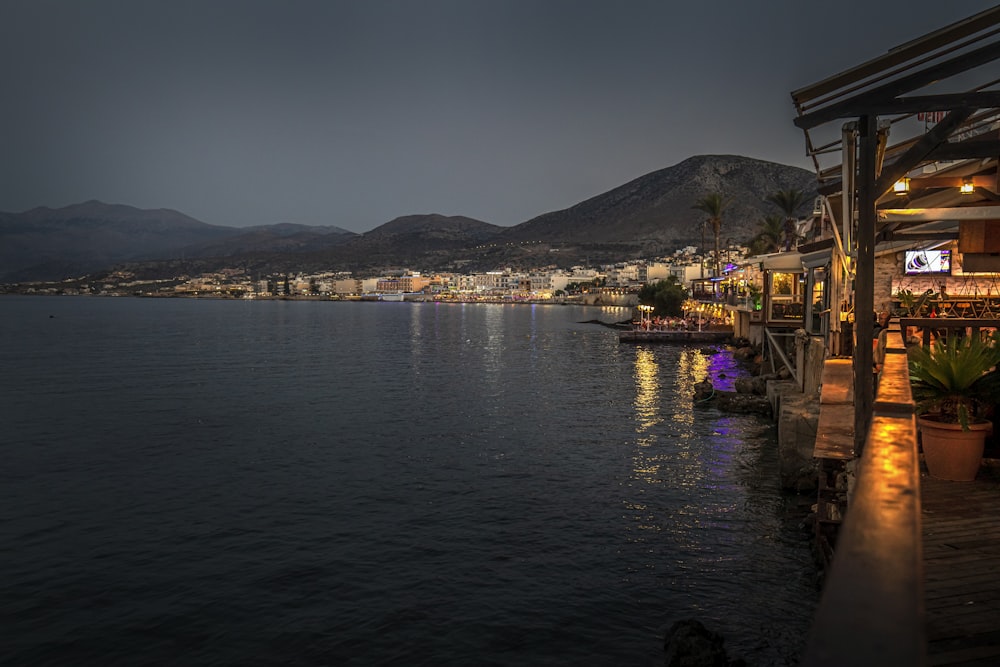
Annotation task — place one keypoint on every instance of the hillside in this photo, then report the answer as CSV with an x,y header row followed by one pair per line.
x,y
50,244
655,210
649,216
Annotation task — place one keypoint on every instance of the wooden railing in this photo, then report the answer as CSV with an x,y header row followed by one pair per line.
x,y
926,328
872,608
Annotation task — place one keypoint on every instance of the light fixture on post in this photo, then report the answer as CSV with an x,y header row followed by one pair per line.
x,y
901,187
967,187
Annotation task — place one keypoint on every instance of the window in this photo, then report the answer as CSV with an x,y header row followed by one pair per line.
x,y
785,293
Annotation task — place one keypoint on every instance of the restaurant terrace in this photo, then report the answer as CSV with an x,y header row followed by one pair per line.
x,y
906,149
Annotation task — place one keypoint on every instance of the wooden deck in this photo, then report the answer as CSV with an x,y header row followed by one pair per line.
x,y
961,542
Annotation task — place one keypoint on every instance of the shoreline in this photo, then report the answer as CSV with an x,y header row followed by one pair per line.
x,y
350,299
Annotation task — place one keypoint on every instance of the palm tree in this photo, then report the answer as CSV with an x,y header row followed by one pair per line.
x,y
788,201
714,204
768,238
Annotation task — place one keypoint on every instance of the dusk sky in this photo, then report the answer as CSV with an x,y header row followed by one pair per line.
x,y
353,113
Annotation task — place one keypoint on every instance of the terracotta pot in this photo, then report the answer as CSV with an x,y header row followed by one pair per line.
x,y
951,453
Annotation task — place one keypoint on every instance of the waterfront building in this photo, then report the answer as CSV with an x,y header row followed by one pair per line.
x,y
906,156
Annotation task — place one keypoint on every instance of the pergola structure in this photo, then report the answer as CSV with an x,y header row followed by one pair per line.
x,y
901,143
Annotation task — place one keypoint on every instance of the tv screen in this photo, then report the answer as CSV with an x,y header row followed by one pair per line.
x,y
920,262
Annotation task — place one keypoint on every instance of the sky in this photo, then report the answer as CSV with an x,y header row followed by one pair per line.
x,y
330,112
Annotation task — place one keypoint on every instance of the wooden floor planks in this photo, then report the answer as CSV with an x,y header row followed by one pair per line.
x,y
961,525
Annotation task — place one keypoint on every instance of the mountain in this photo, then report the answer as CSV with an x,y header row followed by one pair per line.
x,y
282,237
649,216
421,242
656,210
50,244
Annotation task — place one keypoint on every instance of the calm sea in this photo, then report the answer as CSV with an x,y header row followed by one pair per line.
x,y
200,482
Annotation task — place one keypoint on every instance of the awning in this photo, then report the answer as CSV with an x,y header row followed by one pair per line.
x,y
777,261
816,259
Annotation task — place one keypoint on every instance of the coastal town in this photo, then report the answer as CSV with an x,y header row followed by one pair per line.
x,y
864,319
616,284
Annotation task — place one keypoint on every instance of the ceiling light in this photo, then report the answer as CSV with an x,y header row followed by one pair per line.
x,y
901,187
967,187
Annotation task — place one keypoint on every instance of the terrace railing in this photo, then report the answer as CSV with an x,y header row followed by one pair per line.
x,y
872,608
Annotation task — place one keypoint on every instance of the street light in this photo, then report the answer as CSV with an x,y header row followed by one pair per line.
x,y
644,315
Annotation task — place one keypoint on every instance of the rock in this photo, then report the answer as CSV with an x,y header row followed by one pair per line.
x,y
688,643
756,385
731,401
703,390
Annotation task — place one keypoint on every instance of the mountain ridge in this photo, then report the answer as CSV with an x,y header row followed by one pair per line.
x,y
649,215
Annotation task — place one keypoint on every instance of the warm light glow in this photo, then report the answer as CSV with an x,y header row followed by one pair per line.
x,y
647,394
901,187
967,187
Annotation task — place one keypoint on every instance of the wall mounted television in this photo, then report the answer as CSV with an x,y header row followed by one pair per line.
x,y
924,262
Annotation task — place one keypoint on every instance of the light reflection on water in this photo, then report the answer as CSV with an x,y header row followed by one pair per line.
x,y
718,468
477,484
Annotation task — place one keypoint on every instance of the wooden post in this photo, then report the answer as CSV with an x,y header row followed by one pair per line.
x,y
864,282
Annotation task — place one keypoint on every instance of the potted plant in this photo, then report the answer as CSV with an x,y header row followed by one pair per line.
x,y
954,383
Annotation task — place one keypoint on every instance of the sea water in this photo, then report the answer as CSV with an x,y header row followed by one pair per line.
x,y
231,482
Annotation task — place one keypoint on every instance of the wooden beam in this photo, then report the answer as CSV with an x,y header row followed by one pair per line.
x,y
896,235
863,102
900,55
918,152
917,215
915,104
864,279
925,182
965,150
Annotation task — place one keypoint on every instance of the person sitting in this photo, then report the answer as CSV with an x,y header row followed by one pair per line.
x,y
881,324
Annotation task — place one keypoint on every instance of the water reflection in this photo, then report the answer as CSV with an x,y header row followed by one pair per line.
x,y
647,393
648,416
679,445
493,343
691,368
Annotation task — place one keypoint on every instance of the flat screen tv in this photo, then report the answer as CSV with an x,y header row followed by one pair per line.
x,y
923,262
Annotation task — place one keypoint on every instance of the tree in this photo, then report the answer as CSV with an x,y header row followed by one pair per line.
x,y
667,297
768,238
714,204
788,201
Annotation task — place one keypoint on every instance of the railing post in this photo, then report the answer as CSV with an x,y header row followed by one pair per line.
x,y
864,280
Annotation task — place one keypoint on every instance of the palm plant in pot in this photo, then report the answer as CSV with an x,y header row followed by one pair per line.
x,y
955,382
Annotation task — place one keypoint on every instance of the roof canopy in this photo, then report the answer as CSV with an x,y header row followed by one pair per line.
x,y
938,104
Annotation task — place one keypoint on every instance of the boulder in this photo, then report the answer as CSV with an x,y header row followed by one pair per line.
x,y
703,390
731,401
756,385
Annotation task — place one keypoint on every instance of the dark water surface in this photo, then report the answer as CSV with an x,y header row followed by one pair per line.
x,y
198,482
